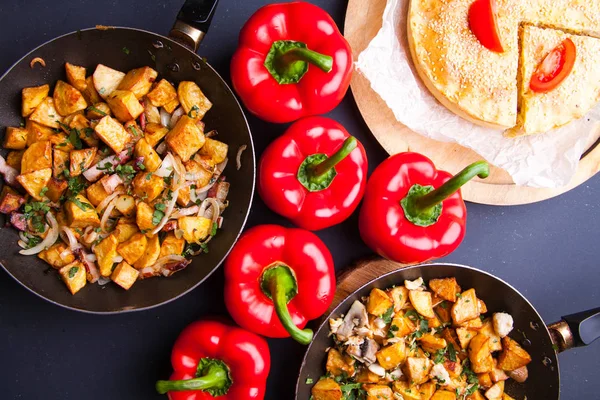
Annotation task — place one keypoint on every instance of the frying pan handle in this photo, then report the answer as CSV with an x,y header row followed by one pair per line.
x,y
576,330
193,22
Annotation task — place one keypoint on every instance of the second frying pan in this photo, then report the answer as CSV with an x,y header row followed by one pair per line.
x,y
529,328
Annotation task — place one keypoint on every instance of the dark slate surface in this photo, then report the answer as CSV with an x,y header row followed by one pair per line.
x,y
549,251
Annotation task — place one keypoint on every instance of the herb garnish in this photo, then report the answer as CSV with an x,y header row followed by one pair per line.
x,y
72,272
96,110
83,206
126,50
387,316
193,110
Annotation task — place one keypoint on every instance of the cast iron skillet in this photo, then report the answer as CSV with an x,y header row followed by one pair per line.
x,y
529,328
175,62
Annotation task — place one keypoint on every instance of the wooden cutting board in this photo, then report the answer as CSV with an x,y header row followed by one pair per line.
x,y
363,21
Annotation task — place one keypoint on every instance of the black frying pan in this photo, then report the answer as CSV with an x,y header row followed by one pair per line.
x,y
175,62
529,328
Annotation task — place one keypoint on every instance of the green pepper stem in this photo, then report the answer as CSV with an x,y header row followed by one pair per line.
x,y
318,171
322,61
279,283
215,377
423,204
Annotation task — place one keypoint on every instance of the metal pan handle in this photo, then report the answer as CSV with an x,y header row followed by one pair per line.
x,y
193,22
576,330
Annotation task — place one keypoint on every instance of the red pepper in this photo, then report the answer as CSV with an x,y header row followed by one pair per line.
x,y
292,61
212,359
412,212
276,279
314,174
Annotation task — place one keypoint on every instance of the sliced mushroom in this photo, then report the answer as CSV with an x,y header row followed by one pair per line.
x,y
356,317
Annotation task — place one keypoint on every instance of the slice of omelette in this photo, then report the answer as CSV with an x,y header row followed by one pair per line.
x,y
572,98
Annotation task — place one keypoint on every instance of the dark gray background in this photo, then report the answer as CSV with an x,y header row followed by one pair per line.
x,y
549,251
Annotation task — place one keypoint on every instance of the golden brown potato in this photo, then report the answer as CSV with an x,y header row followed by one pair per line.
x,y
57,255
124,275
194,229
82,125
378,392
143,217
446,288
56,188
450,336
476,396
193,101
442,394
76,76
154,133
202,174
421,301
498,375
67,99
215,149
485,381
465,308
139,81
185,138
427,390
38,156
34,182
106,80
105,252
14,159
454,368
15,138
150,254
124,230
434,322
171,245
407,391
337,364
431,343
126,205
37,132
399,296
124,105
482,307
73,275
89,92
474,324
326,389
32,97
46,114
379,302
147,186
464,336
391,356
98,111
134,248
487,329
81,160
81,213
10,200
151,158
495,392
171,106
480,354
60,163
112,133
366,376
403,324
512,356
417,369
162,93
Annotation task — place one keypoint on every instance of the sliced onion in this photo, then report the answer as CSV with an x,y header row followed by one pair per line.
x,y
147,272
90,236
168,212
238,157
90,266
111,183
220,222
165,260
91,257
166,167
48,240
218,171
105,202
23,237
9,173
222,191
165,118
178,233
103,281
117,259
175,117
94,173
70,239
161,148
183,212
107,212
211,134
22,244
179,178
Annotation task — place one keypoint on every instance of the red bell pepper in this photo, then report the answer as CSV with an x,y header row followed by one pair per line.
x,y
212,359
276,279
292,61
412,212
314,174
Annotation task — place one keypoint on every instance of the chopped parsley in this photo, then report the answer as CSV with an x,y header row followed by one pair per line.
x,y
387,316
32,240
35,212
353,391
309,381
126,172
451,352
194,111
159,213
125,50
88,132
75,139
438,358
393,328
43,191
75,186
72,272
140,165
148,176
83,206
213,232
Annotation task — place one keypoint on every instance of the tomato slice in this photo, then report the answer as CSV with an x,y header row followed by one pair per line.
x,y
554,68
483,24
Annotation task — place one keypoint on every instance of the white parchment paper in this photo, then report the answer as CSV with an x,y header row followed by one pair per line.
x,y
544,160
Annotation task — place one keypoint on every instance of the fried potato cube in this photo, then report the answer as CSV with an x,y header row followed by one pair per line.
x,y
403,324
476,396
67,99
434,322
513,356
202,174
442,394
124,275
326,389
38,156
474,324
391,356
171,106
15,138
154,133
32,97
106,80
34,182
10,200
124,105
150,254
86,133
56,188
89,92
151,159
124,231
506,397
134,248
37,132
465,308
337,364
399,295
143,217
485,381
215,149
96,193
162,93
60,163
487,329
406,391
98,110
366,376
14,158
171,246
112,133
126,205
185,139
80,213
482,307
498,375
76,76
446,288
46,114
139,81
378,392
73,275
454,368
81,160
480,354
417,369
450,336
193,101
52,255
427,390
431,343
464,336
148,186
421,301
105,252
379,302
194,228
495,392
